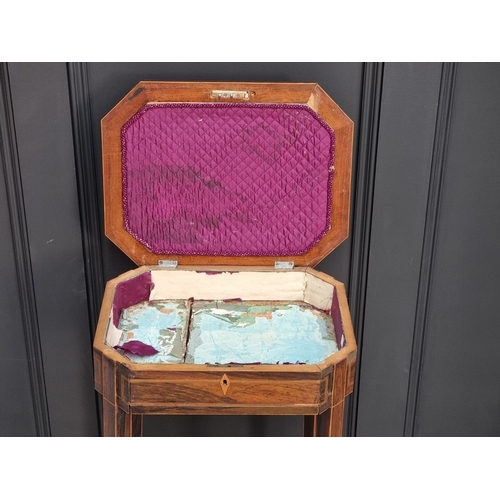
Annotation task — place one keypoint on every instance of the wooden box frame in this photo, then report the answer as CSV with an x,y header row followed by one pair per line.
x,y
132,390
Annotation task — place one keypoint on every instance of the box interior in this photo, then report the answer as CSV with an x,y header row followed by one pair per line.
x,y
244,317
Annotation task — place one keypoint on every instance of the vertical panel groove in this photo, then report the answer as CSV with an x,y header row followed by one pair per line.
x,y
87,186
10,162
88,201
362,215
443,122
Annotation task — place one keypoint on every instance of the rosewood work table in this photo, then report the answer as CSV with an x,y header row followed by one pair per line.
x,y
226,195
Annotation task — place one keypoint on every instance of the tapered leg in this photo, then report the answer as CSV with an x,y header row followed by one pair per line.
x,y
137,425
326,424
309,425
317,425
118,423
331,421
337,420
108,419
115,421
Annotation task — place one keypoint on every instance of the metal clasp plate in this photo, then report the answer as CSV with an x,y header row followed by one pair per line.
x,y
168,263
229,94
279,264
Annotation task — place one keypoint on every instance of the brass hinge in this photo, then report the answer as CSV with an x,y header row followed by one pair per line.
x,y
168,263
279,264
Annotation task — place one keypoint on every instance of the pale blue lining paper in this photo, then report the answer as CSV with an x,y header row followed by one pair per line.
x,y
253,333
223,332
161,324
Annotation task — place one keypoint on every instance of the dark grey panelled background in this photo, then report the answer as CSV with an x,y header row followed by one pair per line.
x,y
459,390
17,354
421,264
40,105
405,142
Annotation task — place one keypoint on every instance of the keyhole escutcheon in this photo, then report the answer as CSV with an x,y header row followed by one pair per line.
x,y
224,383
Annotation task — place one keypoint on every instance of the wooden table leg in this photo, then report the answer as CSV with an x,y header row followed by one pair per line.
x,y
326,424
337,419
309,425
118,423
331,421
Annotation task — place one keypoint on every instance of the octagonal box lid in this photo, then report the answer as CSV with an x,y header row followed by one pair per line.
x,y
227,173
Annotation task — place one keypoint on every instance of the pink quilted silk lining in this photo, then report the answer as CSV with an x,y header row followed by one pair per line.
x,y
227,179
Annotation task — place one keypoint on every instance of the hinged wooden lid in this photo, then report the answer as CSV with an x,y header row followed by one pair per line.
x,y
227,173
